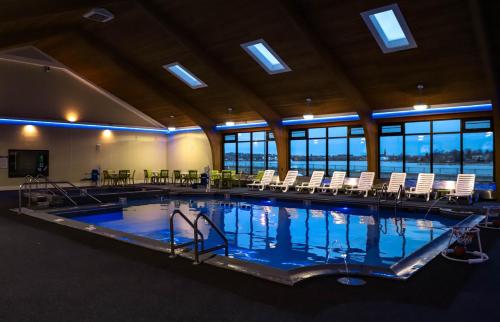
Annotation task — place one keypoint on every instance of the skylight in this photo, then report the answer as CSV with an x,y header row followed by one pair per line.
x,y
185,75
265,56
389,28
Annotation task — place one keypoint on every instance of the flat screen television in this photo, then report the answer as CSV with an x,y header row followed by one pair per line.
x,y
28,162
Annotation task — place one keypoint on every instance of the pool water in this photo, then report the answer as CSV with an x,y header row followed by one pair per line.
x,y
285,235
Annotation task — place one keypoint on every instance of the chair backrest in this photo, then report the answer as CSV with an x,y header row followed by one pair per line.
x,y
226,174
214,173
164,173
366,180
193,174
290,178
146,174
397,179
425,181
267,177
123,174
337,180
259,175
465,183
316,178
177,174
105,174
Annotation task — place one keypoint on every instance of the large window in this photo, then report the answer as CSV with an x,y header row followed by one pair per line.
x,y
444,147
250,152
329,149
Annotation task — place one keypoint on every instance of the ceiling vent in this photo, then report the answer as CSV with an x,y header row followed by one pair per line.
x,y
99,15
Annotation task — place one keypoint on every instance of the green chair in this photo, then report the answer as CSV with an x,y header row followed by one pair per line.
x,y
226,181
193,176
123,176
259,175
177,177
131,178
214,177
163,178
147,177
106,177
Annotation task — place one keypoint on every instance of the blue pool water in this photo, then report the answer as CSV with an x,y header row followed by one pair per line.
x,y
285,235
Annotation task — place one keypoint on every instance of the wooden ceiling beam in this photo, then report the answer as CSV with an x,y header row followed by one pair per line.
x,y
489,67
339,76
330,62
157,85
254,102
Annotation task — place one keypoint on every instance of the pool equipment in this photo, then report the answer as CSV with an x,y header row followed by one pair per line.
x,y
464,237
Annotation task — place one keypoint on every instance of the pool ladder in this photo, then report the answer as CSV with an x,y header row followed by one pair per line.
x,y
198,238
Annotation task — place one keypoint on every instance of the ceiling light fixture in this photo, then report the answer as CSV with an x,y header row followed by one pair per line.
x,y
308,115
420,106
171,127
230,112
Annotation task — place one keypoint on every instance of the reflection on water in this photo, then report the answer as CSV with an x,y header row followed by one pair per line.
x,y
284,235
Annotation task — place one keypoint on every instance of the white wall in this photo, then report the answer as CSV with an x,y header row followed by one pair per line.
x,y
188,151
74,152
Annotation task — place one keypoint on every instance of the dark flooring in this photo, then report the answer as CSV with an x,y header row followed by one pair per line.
x,y
52,273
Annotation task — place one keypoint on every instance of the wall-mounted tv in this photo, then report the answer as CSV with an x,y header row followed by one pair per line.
x,y
28,162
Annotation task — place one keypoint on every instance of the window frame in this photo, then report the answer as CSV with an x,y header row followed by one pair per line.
x,y
267,138
306,137
431,134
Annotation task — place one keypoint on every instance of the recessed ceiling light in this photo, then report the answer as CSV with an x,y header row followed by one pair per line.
x,y
308,116
229,123
171,128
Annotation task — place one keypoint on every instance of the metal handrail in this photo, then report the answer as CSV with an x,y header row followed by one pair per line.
x,y
82,191
30,181
196,232
197,253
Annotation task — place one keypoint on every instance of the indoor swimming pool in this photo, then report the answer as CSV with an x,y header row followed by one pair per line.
x,y
290,236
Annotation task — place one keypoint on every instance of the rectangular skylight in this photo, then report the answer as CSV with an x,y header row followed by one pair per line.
x,y
184,75
389,28
265,56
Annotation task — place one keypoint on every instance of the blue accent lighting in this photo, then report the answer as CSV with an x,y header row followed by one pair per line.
x,y
434,111
340,118
241,126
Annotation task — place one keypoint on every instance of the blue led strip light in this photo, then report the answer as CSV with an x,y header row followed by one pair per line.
x,y
433,111
80,125
341,118
241,126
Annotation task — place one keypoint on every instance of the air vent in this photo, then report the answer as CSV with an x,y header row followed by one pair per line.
x,y
99,15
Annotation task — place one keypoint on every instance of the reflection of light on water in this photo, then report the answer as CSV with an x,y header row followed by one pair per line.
x,y
262,219
424,224
366,220
317,213
338,217
267,209
292,213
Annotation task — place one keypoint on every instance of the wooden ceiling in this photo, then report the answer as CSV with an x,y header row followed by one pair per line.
x,y
125,55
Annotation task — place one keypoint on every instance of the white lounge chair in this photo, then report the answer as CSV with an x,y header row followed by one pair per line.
x,y
396,183
336,183
365,183
289,181
266,180
313,184
464,188
425,181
